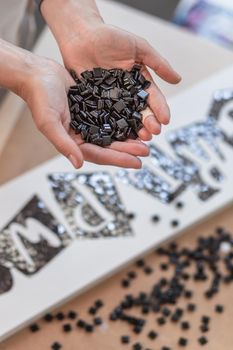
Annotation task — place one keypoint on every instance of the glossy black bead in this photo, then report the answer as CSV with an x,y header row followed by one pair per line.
x,y
34,327
191,307
48,317
60,316
56,346
67,327
219,309
185,325
99,303
125,283
202,341
161,321
183,341
152,335
81,323
125,339
72,314
98,321
148,270
137,346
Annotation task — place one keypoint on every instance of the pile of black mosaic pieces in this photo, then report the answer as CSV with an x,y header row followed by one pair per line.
x,y
210,262
105,105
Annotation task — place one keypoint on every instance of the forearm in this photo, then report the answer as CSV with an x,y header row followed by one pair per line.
x,y
69,18
15,66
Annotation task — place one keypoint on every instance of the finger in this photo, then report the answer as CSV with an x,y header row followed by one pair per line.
x,y
137,148
147,55
150,122
105,156
55,132
144,134
157,100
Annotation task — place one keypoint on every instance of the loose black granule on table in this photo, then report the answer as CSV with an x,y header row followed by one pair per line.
x,y
188,294
152,335
148,270
161,321
60,316
125,283
140,263
48,317
164,266
98,321
166,312
92,310
205,319
67,327
131,216
99,303
89,328
155,218
137,346
174,223
72,314
185,276
204,328
125,339
185,325
176,316
56,346
132,274
34,327
219,309
183,341
191,307
202,340
105,105
137,329
145,309
81,324
179,205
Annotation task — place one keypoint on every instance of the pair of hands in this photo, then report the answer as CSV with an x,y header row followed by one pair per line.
x,y
101,46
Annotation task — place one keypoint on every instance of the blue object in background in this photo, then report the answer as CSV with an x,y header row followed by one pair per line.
x,y
211,19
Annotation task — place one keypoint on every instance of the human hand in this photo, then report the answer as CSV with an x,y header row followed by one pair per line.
x,y
45,91
110,47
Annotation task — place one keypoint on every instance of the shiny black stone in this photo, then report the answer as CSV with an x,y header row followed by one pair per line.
x,y
125,339
203,341
34,327
72,314
152,335
67,327
56,346
183,341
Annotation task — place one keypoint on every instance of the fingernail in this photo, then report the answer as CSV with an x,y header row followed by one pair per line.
x,y
73,160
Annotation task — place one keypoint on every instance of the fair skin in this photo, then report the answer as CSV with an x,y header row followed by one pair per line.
x,y
85,41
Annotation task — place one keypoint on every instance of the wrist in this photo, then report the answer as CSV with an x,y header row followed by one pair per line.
x,y
69,19
15,66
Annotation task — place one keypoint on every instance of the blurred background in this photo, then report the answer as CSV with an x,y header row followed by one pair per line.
x,y
210,18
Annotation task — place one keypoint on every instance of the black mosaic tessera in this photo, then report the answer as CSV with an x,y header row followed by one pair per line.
x,y
106,105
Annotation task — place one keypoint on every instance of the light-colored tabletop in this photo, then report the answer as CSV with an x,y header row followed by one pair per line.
x,y
25,148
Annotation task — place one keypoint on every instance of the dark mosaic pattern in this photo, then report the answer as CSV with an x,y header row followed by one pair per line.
x,y
18,251
180,167
106,219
